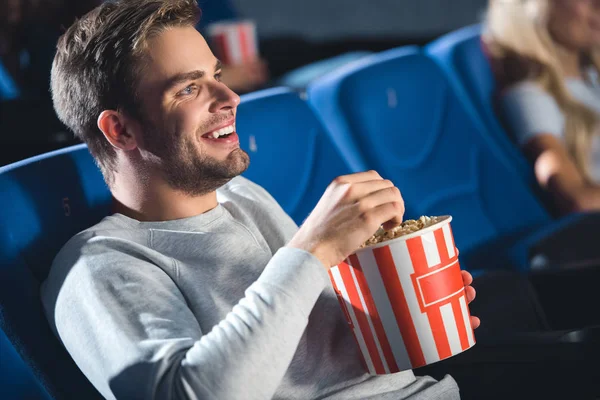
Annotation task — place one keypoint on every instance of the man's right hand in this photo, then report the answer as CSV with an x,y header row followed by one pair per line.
x,y
350,212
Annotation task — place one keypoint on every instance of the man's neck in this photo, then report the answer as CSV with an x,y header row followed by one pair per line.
x,y
158,202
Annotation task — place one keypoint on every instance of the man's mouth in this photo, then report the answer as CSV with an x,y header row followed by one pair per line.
x,y
221,133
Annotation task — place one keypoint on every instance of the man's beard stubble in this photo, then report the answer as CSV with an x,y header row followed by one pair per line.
x,y
185,170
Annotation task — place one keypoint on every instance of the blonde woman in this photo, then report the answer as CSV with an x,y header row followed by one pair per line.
x,y
545,55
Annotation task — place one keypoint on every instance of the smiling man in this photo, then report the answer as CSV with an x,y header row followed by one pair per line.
x,y
199,286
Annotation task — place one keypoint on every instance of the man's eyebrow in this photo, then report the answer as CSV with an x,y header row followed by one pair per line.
x,y
188,76
183,77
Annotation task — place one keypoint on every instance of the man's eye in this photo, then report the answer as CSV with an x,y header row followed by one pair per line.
x,y
218,76
187,91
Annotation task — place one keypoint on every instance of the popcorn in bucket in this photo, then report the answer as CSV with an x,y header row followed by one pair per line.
x,y
234,42
403,297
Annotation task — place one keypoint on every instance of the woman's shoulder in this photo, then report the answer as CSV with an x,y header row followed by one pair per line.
x,y
529,110
529,95
525,88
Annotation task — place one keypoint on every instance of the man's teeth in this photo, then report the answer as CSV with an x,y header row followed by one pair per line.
x,y
223,131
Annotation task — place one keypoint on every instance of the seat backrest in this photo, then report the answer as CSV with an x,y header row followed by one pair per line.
x,y
8,87
45,201
16,379
324,97
301,77
461,55
290,154
400,111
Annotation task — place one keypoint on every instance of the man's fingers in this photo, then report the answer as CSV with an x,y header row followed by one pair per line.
x,y
470,293
383,213
358,191
391,224
389,194
358,177
467,278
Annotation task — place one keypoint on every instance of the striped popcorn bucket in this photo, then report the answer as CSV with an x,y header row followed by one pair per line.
x,y
404,300
234,42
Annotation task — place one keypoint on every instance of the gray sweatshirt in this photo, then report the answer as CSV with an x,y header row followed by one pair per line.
x,y
211,307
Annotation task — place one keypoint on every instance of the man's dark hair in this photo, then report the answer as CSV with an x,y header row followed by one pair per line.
x,y
98,60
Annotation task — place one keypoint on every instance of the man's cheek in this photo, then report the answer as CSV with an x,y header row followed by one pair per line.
x,y
189,122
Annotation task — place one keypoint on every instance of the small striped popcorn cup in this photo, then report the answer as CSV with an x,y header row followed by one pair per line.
x,y
234,42
404,300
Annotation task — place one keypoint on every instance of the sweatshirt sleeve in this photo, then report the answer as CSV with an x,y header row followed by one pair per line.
x,y
529,111
130,330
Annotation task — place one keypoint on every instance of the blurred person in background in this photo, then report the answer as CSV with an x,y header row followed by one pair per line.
x,y
240,78
11,26
29,30
545,56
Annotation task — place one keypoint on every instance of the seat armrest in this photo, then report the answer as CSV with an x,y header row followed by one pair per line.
x,y
565,244
581,345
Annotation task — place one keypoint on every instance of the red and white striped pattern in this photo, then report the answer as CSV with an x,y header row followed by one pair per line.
x,y
405,302
234,42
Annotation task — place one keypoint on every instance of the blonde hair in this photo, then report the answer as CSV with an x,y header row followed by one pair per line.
x,y
517,37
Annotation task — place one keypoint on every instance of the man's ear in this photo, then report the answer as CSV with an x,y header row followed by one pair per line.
x,y
114,125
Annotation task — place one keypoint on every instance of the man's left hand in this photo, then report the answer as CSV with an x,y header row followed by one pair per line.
x,y
470,293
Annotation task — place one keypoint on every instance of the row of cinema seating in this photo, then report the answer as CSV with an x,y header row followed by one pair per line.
x,y
399,113
404,112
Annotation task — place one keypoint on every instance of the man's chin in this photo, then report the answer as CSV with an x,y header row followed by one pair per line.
x,y
240,161
199,177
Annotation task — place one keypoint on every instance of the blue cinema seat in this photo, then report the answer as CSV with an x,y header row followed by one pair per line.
x,y
290,154
462,57
45,200
325,98
17,381
8,87
301,77
397,113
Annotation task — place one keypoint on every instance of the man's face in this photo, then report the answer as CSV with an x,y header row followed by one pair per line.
x,y
188,114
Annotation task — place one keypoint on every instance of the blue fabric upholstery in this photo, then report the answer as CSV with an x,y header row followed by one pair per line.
x,y
461,56
45,200
301,77
396,112
290,154
17,382
8,87
325,95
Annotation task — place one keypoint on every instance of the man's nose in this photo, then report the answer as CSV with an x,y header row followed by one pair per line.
x,y
223,98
